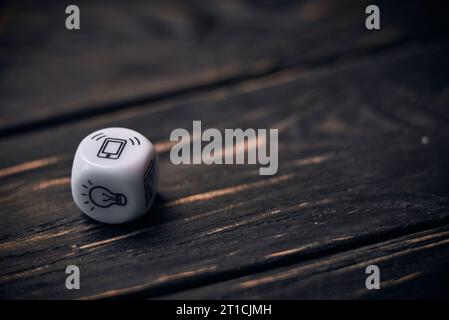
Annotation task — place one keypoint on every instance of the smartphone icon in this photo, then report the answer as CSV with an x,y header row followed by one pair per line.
x,y
111,148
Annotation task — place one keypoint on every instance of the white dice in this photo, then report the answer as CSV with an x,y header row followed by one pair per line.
x,y
114,175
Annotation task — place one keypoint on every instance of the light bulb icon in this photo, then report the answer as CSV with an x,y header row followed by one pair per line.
x,y
102,197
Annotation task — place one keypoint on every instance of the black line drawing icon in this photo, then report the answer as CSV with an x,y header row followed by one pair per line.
x,y
98,136
137,140
148,182
111,148
102,197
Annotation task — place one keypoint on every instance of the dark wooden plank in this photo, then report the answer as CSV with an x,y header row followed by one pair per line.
x,y
125,55
353,169
414,266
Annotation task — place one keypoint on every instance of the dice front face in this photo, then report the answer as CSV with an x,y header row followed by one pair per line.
x,y
114,175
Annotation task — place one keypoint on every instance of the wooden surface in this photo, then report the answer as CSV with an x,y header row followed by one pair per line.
x,y
363,149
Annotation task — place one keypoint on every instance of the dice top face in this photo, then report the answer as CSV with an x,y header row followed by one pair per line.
x,y
114,147
114,175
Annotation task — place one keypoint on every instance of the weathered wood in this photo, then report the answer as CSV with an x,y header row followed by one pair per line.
x,y
353,170
411,267
125,55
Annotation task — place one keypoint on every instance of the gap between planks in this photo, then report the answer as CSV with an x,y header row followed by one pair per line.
x,y
206,275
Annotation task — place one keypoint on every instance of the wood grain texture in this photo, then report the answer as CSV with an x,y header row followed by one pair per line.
x,y
125,55
354,171
411,267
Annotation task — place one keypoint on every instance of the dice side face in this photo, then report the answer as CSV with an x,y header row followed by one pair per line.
x,y
114,178
149,180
